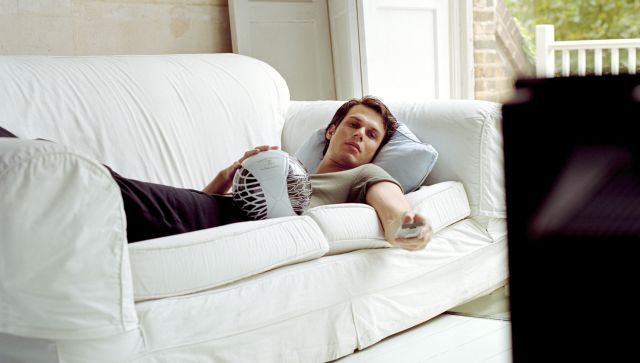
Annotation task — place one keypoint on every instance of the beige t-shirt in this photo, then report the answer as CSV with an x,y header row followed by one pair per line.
x,y
349,186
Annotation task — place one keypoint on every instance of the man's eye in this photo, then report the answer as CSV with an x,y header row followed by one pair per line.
x,y
354,125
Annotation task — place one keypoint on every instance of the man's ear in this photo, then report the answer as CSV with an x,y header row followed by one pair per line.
x,y
330,131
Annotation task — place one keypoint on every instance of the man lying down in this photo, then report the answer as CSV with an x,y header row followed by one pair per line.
x,y
357,131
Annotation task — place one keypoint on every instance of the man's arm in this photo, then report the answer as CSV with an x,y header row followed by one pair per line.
x,y
221,184
394,210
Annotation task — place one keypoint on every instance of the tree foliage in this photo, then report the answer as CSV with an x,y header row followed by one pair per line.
x,y
580,19
577,19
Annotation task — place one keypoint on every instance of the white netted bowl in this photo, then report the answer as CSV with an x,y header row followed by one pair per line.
x,y
271,184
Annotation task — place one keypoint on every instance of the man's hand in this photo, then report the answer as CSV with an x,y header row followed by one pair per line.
x,y
221,184
410,244
394,210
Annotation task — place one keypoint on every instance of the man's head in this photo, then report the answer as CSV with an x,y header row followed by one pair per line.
x,y
357,132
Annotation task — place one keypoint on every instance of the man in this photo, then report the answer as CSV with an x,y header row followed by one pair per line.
x,y
354,136
359,128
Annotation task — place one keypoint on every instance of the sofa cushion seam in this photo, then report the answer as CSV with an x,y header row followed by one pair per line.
x,y
252,273
143,250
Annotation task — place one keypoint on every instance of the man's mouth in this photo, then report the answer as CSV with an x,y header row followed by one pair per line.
x,y
354,145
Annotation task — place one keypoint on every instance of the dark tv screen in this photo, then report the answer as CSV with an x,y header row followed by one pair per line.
x,y
572,179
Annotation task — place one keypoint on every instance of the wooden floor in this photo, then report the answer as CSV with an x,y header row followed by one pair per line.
x,y
479,331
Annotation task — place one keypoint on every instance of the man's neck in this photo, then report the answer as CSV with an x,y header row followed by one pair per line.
x,y
330,166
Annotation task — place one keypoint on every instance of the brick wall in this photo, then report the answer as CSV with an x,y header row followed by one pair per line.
x,y
498,54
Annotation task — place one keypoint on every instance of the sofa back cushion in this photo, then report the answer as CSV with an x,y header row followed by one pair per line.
x,y
468,137
466,133
171,119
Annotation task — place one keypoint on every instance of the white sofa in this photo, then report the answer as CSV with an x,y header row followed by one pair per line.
x,y
310,288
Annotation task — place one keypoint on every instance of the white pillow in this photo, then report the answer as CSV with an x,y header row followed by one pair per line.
x,y
443,204
190,262
404,157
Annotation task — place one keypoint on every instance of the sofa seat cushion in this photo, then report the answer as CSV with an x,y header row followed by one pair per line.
x,y
204,259
325,308
352,226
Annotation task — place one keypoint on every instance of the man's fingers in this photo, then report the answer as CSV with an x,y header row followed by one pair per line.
x,y
409,242
426,231
408,217
419,218
250,152
256,150
412,247
420,241
412,243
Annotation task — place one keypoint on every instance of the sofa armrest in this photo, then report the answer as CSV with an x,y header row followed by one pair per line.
x,y
64,265
468,137
443,204
353,226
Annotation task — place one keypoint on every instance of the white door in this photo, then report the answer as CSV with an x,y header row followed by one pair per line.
x,y
403,49
291,35
394,49
345,43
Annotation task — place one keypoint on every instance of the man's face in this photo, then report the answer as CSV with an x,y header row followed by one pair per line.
x,y
357,138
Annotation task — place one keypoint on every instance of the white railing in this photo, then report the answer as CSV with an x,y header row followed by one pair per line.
x,y
546,46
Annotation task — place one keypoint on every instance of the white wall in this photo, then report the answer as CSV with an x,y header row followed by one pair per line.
x,y
90,27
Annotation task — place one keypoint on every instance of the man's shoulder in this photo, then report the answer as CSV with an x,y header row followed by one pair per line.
x,y
371,169
368,166
368,169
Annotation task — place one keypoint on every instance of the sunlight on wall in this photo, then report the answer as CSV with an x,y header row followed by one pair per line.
x,y
86,27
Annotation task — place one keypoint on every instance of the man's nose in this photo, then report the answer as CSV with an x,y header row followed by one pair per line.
x,y
359,133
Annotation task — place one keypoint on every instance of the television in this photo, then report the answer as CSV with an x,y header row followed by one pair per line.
x,y
572,180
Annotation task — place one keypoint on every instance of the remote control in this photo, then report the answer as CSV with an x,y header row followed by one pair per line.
x,y
410,230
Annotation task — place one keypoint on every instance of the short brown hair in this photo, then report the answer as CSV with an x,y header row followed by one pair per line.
x,y
390,122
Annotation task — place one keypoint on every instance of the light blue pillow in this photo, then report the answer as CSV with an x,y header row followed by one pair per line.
x,y
404,157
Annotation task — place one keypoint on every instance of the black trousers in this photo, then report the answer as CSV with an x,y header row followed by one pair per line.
x,y
155,210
